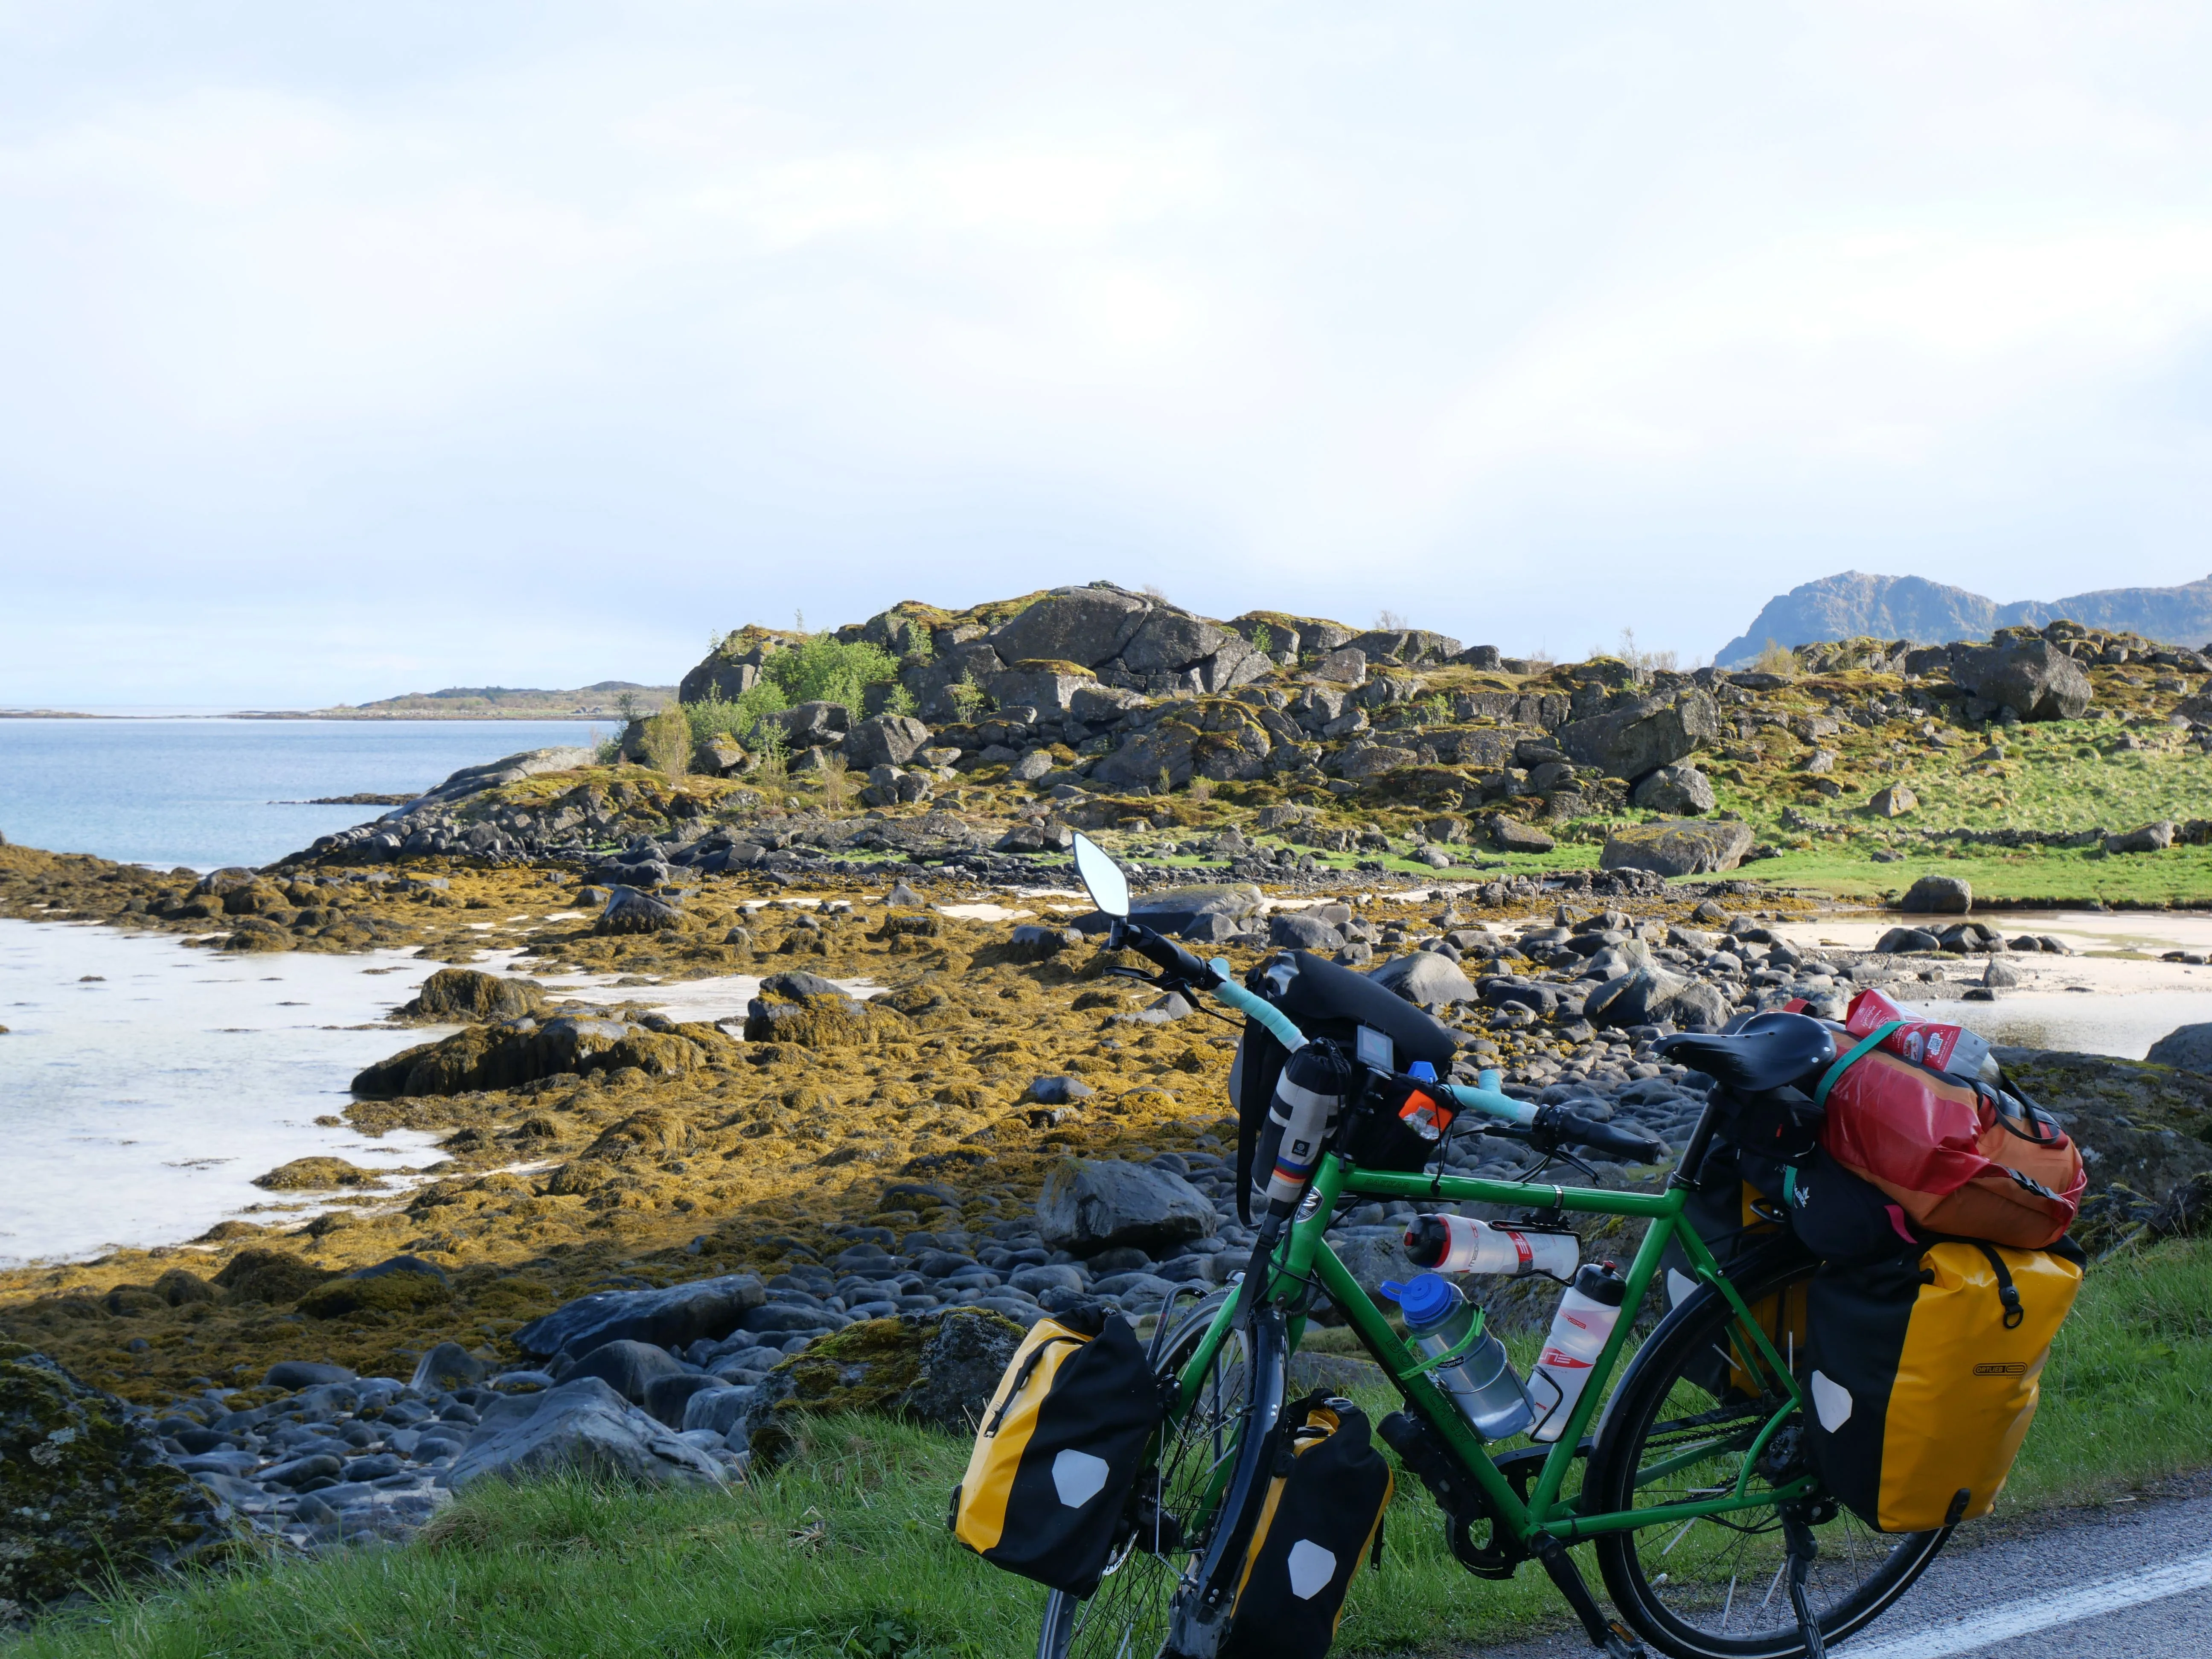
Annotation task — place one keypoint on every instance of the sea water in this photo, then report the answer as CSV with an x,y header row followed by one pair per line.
x,y
145,1083
209,793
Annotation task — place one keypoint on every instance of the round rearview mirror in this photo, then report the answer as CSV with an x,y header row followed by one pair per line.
x,y
1109,887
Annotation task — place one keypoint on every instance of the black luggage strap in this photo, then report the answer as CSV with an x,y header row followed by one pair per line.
x,y
1021,1380
2007,1292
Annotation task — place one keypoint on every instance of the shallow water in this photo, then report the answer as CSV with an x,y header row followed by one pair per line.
x,y
210,792
2090,1022
137,1106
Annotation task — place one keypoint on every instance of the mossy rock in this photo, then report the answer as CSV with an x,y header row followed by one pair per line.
x,y
401,1285
258,934
85,1490
305,1175
938,1368
465,995
272,1276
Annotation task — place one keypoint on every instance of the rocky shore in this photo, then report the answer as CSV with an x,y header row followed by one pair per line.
x,y
763,1099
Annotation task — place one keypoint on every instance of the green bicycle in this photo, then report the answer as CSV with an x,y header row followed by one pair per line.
x,y
1714,1535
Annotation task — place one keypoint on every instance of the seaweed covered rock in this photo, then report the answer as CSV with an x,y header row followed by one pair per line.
x,y
272,1276
85,1489
809,1010
463,995
523,1050
404,1283
2139,1126
938,1368
634,910
317,1175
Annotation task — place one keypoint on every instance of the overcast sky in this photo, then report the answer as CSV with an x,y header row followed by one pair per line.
x,y
352,350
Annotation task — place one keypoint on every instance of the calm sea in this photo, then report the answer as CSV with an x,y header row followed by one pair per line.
x,y
206,792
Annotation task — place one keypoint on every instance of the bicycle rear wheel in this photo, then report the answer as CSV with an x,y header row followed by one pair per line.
x,y
1176,1505
1681,1428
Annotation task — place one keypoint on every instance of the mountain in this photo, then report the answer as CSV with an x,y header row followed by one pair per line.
x,y
1855,604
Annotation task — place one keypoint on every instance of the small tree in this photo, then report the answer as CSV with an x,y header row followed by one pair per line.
x,y
1777,658
900,702
837,783
1390,621
1263,641
667,743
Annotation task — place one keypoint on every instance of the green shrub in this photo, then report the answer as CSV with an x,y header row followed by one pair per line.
x,y
822,668
667,741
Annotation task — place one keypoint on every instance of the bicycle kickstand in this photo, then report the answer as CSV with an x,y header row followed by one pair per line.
x,y
1609,1637
1803,1548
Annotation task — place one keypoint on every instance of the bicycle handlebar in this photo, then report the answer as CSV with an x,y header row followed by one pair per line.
x,y
1560,1124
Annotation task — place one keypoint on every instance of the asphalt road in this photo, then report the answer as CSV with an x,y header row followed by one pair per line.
x,y
2128,1580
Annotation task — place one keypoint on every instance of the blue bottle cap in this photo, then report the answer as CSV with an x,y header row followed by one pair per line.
x,y
1422,1070
1427,1299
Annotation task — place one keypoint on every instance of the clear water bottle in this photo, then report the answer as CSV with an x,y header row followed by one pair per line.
x,y
1585,1319
1462,1244
1481,1381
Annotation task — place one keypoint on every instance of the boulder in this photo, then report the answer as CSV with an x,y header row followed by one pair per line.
x,y
886,740
1893,801
1090,1205
814,725
1372,759
1047,688
580,1427
1298,931
447,1366
1699,1006
1647,734
1899,940
1940,895
628,1366
1424,977
503,1056
296,1373
1185,910
939,1368
675,1317
1679,791
1221,740
1511,836
1675,846
2033,678
1085,625
1170,640
2188,1048
634,910
272,1276
1642,996
2151,838
1058,1090
462,995
807,1009
85,1489
1343,667
722,1408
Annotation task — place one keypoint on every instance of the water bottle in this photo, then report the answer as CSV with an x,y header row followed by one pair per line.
x,y
1307,1097
1461,1245
1585,1319
1480,1383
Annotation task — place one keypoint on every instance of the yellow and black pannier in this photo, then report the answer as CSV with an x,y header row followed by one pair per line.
x,y
1925,1369
1059,1449
1327,1490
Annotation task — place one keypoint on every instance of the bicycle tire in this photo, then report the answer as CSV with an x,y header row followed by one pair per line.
x,y
1671,1396
1128,1616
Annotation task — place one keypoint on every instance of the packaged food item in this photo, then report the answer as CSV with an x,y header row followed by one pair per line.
x,y
1939,1046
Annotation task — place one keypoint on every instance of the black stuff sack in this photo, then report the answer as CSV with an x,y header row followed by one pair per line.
x,y
1327,1490
1059,1450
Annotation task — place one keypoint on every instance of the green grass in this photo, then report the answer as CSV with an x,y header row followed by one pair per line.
x,y
844,1553
2181,876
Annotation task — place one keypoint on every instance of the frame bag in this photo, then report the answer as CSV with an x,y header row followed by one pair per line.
x,y
1325,1496
1061,1444
1924,1375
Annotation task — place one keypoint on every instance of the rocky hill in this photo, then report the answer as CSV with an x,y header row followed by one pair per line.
x,y
1922,612
1291,749
602,700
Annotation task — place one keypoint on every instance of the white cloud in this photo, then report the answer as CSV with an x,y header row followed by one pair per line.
x,y
1512,322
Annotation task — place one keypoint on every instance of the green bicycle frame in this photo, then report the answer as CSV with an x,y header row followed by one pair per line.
x,y
1303,1258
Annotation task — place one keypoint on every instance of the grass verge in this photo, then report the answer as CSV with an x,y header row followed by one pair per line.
x,y
844,1553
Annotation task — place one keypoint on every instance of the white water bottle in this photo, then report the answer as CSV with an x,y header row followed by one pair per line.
x,y
1586,1316
1462,1244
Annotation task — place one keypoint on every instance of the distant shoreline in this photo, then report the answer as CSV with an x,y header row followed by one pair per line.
x,y
319,714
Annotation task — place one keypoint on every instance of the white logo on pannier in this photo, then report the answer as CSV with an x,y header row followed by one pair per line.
x,y
1831,1401
1678,1287
1077,1476
1311,1568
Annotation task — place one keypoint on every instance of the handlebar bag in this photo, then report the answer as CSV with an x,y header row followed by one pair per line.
x,y
1960,1157
1059,1450
1400,1127
1320,1513
1925,1371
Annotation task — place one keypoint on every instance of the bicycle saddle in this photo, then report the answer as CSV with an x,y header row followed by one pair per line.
x,y
1766,1052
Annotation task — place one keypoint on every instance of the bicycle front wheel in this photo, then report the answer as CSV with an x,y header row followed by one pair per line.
x,y
1681,1429
1177,1503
